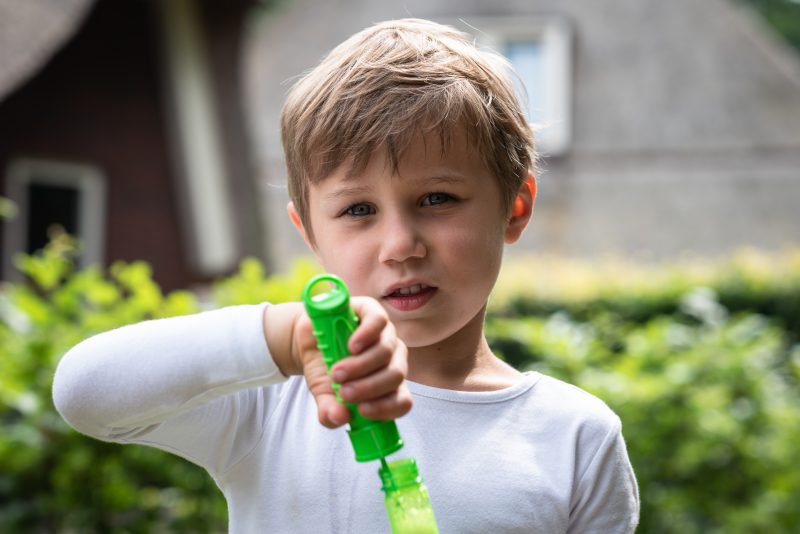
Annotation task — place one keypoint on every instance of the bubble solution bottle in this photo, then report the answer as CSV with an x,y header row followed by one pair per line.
x,y
406,498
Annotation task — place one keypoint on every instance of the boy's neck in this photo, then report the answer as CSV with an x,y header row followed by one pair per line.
x,y
462,362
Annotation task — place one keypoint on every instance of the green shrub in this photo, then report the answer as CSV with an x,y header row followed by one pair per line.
x,y
749,281
51,478
703,369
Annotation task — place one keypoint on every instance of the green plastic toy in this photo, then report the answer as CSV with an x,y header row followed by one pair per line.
x,y
406,498
407,502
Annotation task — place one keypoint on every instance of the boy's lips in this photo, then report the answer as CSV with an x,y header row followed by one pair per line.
x,y
409,296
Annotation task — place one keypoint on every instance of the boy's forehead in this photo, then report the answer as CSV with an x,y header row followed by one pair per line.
x,y
437,155
408,171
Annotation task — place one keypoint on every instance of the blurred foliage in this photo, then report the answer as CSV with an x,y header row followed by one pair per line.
x,y
55,480
747,281
51,478
782,15
700,360
8,209
251,284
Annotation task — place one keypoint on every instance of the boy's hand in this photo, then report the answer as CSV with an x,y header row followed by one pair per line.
x,y
373,377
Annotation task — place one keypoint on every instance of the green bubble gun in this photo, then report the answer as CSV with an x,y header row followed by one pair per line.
x,y
406,498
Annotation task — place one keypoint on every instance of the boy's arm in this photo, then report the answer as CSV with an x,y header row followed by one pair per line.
x,y
119,384
171,382
606,499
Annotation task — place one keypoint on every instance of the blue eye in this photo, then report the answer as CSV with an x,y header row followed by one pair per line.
x,y
434,199
359,210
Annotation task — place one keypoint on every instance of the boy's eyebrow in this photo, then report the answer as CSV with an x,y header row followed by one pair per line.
x,y
357,190
443,179
347,191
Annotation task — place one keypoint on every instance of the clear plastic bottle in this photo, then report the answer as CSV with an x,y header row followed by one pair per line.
x,y
407,503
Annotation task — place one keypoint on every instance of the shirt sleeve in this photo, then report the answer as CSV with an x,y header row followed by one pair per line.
x,y
606,497
192,385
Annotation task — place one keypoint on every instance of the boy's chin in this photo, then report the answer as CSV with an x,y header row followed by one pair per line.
x,y
429,332
414,339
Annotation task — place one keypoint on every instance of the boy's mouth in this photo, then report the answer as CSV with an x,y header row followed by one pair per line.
x,y
411,290
410,297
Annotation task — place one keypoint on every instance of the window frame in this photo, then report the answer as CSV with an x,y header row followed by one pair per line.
x,y
554,136
90,183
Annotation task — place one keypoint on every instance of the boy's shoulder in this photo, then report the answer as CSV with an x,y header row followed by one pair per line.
x,y
537,401
570,405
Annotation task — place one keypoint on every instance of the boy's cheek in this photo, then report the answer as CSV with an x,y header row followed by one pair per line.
x,y
344,261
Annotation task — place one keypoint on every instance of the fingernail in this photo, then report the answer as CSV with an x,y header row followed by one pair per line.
x,y
355,347
339,375
346,392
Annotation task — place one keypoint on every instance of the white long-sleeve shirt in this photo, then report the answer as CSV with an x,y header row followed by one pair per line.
x,y
541,456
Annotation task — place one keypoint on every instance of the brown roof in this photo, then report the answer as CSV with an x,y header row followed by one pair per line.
x,y
31,31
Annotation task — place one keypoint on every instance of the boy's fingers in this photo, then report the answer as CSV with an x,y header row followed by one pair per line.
x,y
331,412
372,387
380,354
387,378
376,372
373,320
392,406
372,378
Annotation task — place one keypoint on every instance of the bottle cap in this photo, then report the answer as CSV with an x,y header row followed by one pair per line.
x,y
374,440
334,301
400,474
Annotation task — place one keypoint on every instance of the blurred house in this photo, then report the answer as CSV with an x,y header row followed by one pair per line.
x,y
120,121
149,128
667,127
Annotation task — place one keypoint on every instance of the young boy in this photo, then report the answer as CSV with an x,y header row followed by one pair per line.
x,y
410,167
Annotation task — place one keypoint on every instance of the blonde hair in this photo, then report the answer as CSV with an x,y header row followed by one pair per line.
x,y
391,82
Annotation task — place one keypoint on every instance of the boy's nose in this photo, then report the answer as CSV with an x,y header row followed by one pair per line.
x,y
400,242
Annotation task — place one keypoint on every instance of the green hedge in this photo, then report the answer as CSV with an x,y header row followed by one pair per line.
x,y
704,376
51,478
55,480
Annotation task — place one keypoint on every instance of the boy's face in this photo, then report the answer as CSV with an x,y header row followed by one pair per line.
x,y
427,242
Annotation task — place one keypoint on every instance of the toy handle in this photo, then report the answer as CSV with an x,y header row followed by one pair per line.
x,y
334,321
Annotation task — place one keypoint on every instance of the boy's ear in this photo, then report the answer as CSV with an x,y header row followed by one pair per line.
x,y
297,222
522,210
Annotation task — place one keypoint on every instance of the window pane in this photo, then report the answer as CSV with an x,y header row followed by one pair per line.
x,y
527,57
49,205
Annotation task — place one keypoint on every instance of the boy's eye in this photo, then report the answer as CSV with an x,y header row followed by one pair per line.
x,y
434,199
359,210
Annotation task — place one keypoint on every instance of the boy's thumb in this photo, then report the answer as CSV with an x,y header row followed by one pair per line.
x,y
331,412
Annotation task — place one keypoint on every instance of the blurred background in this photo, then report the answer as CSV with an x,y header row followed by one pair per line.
x,y
150,129
661,270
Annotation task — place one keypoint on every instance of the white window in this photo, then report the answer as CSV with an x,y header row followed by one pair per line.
x,y
539,49
48,193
